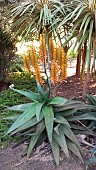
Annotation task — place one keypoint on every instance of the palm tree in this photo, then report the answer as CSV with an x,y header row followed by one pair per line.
x,y
6,54
66,19
80,23
32,18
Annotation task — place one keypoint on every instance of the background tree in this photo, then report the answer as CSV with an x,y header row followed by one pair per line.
x,y
33,19
80,21
6,54
66,19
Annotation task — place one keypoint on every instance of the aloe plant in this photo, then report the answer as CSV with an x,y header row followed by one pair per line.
x,y
51,118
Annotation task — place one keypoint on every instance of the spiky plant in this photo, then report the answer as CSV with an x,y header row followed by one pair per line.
x,y
55,119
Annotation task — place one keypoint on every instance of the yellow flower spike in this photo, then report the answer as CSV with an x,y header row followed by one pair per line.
x,y
59,55
63,72
42,48
54,72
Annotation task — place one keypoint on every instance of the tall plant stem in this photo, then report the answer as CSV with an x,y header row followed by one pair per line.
x,y
94,57
83,60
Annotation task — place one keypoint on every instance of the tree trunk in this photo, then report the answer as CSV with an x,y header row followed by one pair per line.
x,y
78,65
83,60
87,75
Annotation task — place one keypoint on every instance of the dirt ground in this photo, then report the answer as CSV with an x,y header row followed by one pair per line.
x,y
72,88
10,159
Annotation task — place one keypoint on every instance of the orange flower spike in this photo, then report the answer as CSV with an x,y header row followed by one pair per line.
x,y
64,59
54,54
27,64
42,48
34,57
37,73
63,72
51,47
54,73
63,65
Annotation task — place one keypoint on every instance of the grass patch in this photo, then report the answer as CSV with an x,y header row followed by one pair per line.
x,y
8,98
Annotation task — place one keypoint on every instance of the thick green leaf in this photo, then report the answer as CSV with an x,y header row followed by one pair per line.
x,y
55,151
28,132
41,139
72,147
61,120
82,132
40,126
60,139
36,136
38,110
78,127
27,115
49,120
86,116
28,124
91,99
21,107
57,101
70,104
68,132
13,118
41,92
56,129
32,143
47,94
92,124
68,112
30,94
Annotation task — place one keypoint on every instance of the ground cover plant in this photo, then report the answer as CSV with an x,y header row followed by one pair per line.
x,y
8,98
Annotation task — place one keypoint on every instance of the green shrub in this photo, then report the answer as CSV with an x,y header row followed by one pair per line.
x,y
17,64
56,119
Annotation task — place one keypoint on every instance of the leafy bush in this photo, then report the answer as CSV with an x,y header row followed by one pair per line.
x,y
22,80
56,119
17,64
